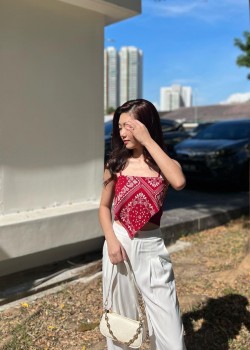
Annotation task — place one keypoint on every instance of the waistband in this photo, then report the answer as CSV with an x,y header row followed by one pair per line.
x,y
120,230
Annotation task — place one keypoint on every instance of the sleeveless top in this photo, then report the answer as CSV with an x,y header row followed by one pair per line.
x,y
138,200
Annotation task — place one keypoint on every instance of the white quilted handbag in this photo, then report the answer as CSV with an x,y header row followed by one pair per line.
x,y
120,328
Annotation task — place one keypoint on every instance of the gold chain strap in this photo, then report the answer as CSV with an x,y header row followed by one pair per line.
x,y
141,317
138,331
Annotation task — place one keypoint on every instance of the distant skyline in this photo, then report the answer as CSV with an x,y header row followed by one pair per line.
x,y
187,42
122,75
175,96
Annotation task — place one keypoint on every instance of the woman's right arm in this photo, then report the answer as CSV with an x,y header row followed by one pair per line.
x,y
115,250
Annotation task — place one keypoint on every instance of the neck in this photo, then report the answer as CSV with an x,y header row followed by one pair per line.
x,y
137,155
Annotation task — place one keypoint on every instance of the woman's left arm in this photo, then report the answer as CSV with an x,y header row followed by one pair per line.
x,y
169,167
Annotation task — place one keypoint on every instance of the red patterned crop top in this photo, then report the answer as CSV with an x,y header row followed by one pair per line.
x,y
138,200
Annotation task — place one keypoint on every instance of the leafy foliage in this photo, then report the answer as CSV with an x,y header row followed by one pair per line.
x,y
244,59
110,110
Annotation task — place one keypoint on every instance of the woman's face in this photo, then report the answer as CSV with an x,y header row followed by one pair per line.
x,y
126,135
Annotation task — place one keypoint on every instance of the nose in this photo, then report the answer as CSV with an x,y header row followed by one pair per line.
x,y
123,132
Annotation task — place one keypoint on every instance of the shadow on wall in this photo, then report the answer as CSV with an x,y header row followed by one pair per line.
x,y
219,321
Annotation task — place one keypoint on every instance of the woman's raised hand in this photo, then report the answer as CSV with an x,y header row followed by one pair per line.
x,y
138,130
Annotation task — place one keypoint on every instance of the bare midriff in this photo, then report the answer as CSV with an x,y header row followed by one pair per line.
x,y
147,227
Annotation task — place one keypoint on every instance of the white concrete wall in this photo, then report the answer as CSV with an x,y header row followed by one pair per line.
x,y
51,120
51,127
52,123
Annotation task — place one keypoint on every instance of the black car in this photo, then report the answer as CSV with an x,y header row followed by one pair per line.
x,y
199,127
218,154
108,127
173,132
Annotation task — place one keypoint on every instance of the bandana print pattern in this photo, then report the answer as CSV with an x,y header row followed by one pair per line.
x,y
137,199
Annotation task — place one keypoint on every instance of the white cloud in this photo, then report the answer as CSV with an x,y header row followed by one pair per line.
x,y
237,98
170,8
178,10
204,10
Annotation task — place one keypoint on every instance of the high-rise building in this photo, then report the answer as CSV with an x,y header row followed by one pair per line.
x,y
111,78
122,76
165,99
130,73
186,93
174,97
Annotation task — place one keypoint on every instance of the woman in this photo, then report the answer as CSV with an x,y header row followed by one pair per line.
x,y
136,180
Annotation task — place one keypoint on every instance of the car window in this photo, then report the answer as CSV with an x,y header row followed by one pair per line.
x,y
169,125
228,131
201,126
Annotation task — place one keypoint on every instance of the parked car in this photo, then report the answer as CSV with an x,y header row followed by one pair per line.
x,y
173,132
218,154
108,126
199,127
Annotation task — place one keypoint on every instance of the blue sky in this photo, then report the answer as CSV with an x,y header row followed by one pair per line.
x,y
190,42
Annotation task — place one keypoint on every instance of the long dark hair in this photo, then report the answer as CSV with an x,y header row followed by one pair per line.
x,y
146,113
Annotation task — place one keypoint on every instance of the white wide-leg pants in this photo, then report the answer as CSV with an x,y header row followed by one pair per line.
x,y
154,276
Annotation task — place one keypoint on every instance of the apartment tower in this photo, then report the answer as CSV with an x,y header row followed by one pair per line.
x,y
174,97
111,78
130,73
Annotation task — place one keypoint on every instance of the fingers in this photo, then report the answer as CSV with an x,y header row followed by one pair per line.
x,y
129,126
124,254
134,128
138,130
118,257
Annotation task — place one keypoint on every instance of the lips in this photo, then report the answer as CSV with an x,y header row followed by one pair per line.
x,y
125,141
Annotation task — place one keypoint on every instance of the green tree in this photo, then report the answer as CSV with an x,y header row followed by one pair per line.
x,y
244,59
110,110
